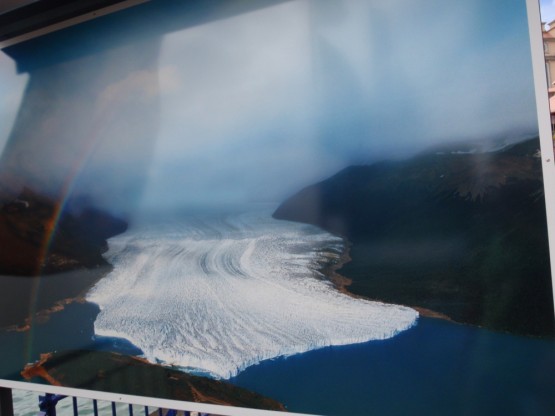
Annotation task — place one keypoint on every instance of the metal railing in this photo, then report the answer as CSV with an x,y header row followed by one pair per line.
x,y
47,407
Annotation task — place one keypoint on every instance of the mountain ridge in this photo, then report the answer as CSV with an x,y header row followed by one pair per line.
x,y
463,234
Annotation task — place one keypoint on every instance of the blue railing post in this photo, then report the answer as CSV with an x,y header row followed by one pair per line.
x,y
75,410
48,402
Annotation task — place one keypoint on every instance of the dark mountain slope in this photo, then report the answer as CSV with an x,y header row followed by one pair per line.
x,y
36,239
463,234
59,254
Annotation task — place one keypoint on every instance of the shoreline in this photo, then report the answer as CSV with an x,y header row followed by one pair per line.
x,y
50,258
90,276
342,283
144,378
330,269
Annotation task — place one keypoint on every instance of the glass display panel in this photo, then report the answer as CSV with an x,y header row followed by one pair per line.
x,y
319,207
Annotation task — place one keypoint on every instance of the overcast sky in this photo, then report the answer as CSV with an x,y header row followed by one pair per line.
x,y
257,106
11,92
547,10
291,94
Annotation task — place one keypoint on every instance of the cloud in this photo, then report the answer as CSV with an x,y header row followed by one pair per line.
x,y
344,82
11,94
234,75
547,10
260,104
140,85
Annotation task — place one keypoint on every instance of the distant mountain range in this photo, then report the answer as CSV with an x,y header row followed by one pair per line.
x,y
462,233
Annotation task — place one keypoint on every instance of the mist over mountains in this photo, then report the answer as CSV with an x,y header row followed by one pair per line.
x,y
463,234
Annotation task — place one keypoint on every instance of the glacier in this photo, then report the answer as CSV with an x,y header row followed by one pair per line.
x,y
216,293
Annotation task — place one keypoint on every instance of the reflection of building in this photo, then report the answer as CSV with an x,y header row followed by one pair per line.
x,y
549,52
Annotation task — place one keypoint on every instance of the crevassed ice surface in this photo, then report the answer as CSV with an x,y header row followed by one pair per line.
x,y
218,293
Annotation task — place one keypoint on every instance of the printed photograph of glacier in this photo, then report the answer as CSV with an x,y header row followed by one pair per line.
x,y
320,207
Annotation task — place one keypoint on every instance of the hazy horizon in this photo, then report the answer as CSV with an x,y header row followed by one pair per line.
x,y
253,107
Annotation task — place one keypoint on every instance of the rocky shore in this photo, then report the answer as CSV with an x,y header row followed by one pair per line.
x,y
49,257
105,371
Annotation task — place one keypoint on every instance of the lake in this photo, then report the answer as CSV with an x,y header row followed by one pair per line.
x,y
434,368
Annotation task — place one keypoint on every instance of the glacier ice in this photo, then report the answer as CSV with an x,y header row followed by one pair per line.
x,y
217,293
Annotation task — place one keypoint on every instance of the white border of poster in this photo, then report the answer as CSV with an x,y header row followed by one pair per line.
x,y
542,103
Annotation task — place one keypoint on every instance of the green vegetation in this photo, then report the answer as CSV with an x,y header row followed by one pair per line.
x,y
460,234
